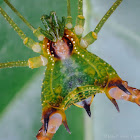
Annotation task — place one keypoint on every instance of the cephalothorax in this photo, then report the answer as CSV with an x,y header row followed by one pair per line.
x,y
73,75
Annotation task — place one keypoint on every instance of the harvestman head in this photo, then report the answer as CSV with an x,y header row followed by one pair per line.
x,y
58,42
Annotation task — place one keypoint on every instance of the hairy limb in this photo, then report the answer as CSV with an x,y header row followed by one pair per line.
x,y
69,18
80,20
92,36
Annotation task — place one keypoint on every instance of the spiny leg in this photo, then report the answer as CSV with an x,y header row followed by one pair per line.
x,y
69,18
30,43
34,62
80,20
35,31
92,36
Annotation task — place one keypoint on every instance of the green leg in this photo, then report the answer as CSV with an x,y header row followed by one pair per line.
x,y
13,24
35,46
37,62
19,15
92,36
35,31
80,20
69,18
14,64
34,62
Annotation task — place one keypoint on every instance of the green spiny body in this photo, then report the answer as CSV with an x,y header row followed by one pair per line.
x,y
80,70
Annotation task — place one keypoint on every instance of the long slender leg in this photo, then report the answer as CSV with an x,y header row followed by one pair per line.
x,y
35,46
34,62
68,8
13,24
92,36
80,20
69,18
35,31
14,64
19,15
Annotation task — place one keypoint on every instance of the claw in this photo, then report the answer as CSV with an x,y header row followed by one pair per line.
x,y
51,119
46,121
120,86
120,90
